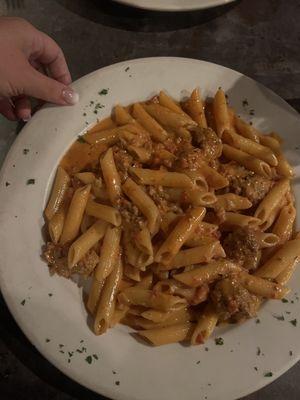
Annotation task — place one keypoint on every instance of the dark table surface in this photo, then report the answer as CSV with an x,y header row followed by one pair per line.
x,y
259,38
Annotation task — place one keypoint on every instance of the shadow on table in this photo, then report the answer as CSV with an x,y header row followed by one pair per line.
x,y
18,344
132,19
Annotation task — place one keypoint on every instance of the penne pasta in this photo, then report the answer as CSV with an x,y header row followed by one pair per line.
x,y
195,108
262,287
56,224
75,214
234,220
94,295
162,178
169,118
232,202
86,177
221,115
61,183
205,325
156,131
111,176
182,231
171,334
247,130
101,211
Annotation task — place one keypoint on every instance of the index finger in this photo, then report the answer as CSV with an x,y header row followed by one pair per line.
x,y
51,56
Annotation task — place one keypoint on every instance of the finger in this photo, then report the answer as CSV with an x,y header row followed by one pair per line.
x,y
23,108
42,87
53,58
7,110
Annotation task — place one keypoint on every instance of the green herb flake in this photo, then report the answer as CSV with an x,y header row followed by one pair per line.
x,y
69,360
257,321
99,105
258,351
245,103
61,351
95,112
219,341
23,302
81,341
252,112
114,372
292,301
89,359
256,369
117,383
288,312
206,349
79,351
50,294
284,300
7,184
127,69
268,374
91,102
80,139
70,353
279,317
95,357
293,322
290,353
103,92
47,340
30,181
25,151
61,346
198,362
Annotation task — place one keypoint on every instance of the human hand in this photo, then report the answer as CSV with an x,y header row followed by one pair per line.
x,y
24,53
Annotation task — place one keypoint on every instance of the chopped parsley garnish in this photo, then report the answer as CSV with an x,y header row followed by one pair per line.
x,y
127,69
206,349
290,353
258,351
79,351
288,312
114,372
23,302
25,151
219,341
257,321
279,317
89,359
61,351
61,345
252,112
245,103
284,300
293,322
95,357
7,183
69,360
95,112
30,181
84,114
91,102
50,294
117,383
99,105
81,341
80,139
103,92
70,353
198,362
268,374
47,340
256,369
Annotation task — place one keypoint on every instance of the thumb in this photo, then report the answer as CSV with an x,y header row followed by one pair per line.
x,y
42,87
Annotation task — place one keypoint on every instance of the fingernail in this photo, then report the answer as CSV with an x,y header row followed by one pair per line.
x,y
69,96
27,118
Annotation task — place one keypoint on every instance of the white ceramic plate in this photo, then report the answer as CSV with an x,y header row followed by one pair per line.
x,y
174,5
50,310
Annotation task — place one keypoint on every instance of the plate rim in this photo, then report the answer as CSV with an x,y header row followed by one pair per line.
x,y
170,8
111,393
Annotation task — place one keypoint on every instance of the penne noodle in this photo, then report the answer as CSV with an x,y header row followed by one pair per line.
x,y
94,295
109,253
284,168
132,273
182,231
161,178
207,273
111,176
75,214
213,178
195,255
101,211
262,287
168,102
205,325
156,131
195,108
247,130
141,154
250,147
86,177
56,224
284,276
272,200
174,317
169,118
284,257
122,117
108,137
272,143
140,296
146,281
234,220
118,316
266,240
253,164
60,186
166,335
107,300
106,123
85,242
144,203
232,202
221,115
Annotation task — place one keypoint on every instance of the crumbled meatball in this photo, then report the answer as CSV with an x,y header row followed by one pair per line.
x,y
232,301
209,143
242,246
56,257
246,183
